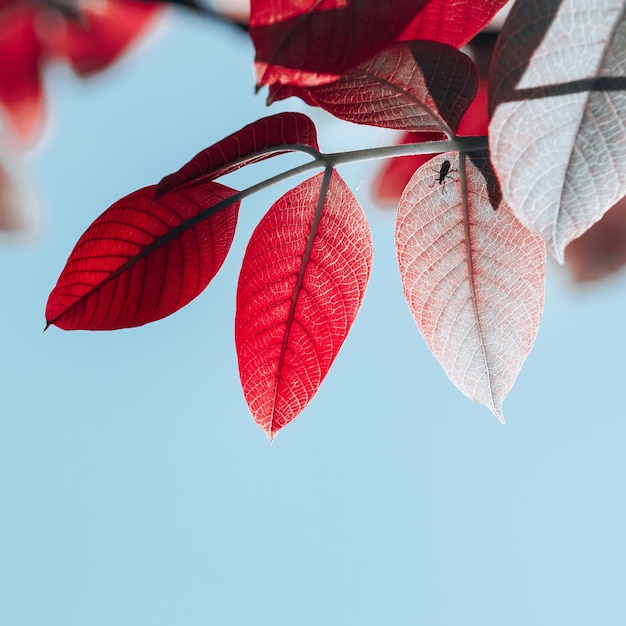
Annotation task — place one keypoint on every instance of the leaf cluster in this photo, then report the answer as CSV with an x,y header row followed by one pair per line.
x,y
472,224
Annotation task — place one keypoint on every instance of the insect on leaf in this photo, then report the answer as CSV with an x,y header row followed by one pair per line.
x,y
473,275
314,41
396,173
143,260
238,149
302,282
558,104
417,85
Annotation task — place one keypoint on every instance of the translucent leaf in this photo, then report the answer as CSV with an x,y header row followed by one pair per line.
x,y
473,276
314,41
418,85
142,260
452,23
237,150
302,282
558,104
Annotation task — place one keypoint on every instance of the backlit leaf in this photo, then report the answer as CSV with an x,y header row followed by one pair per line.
x,y
473,276
452,23
418,85
238,149
142,260
314,41
302,282
558,103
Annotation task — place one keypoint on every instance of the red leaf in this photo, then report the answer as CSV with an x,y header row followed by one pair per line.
x,y
397,172
20,84
235,151
473,275
302,282
313,42
453,23
104,32
142,260
418,85
601,250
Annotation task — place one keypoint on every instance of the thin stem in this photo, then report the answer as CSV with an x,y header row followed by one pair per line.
x,y
320,160
330,160
456,144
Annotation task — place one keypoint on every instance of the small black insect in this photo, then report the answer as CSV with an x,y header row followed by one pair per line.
x,y
442,174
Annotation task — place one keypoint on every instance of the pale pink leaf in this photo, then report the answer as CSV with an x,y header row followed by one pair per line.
x,y
472,274
558,105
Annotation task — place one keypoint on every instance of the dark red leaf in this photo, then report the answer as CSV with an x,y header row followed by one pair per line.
x,y
140,261
417,85
235,151
313,42
302,282
453,23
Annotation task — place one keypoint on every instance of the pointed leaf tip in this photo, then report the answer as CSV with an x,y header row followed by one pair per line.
x,y
143,260
301,285
472,275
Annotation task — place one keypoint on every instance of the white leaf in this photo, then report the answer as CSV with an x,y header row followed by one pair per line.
x,y
473,275
557,133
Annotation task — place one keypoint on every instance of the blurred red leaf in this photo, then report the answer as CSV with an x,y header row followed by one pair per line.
x,y
302,282
472,274
313,42
104,32
414,85
396,173
32,33
234,151
142,260
452,23
20,82
601,250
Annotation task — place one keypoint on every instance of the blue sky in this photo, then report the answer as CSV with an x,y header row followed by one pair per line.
x,y
136,489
